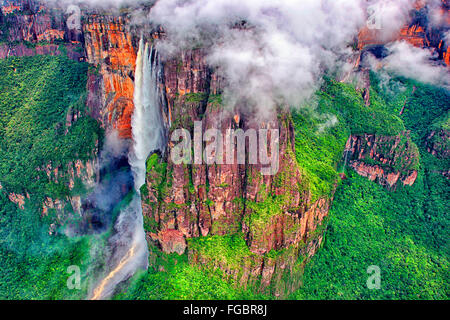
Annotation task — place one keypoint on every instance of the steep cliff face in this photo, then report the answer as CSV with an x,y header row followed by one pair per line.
x,y
28,28
414,34
30,22
260,230
109,48
438,143
420,32
74,175
273,217
387,160
31,28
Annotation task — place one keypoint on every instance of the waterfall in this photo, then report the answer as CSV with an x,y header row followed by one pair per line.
x,y
128,244
346,152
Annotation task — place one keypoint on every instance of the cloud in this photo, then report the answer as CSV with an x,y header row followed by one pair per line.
x,y
274,52
437,15
110,5
417,63
93,3
330,121
388,16
278,55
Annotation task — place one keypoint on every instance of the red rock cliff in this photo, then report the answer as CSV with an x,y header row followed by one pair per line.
x,y
183,203
387,160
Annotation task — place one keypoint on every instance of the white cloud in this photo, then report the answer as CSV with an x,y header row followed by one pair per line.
x,y
278,57
412,62
280,54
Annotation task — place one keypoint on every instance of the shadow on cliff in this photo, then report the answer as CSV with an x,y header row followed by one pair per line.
x,y
100,208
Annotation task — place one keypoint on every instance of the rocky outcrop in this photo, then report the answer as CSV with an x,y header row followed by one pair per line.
x,y
22,50
75,174
28,28
414,34
86,171
419,32
27,21
172,241
438,143
18,199
387,160
275,214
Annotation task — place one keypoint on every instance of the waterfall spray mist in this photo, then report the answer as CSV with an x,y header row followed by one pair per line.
x,y
129,244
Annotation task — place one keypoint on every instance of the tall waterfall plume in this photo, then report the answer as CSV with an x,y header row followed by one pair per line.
x,y
147,121
128,244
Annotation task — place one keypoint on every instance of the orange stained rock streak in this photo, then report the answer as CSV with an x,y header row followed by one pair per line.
x,y
120,51
447,56
10,9
51,34
414,34
110,46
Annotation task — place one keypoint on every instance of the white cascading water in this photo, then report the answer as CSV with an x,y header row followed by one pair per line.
x,y
130,245
147,123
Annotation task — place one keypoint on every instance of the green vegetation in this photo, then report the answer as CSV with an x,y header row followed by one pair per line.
x,y
393,230
158,170
196,97
442,123
215,99
377,118
404,232
36,94
324,124
152,162
318,153
33,264
171,277
263,213
182,281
